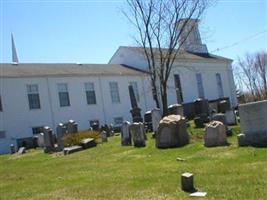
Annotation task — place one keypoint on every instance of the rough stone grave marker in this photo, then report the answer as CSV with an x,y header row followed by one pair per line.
x,y
125,134
137,131
215,134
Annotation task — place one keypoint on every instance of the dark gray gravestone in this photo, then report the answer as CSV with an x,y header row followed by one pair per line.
x,y
61,132
48,140
187,182
12,149
135,111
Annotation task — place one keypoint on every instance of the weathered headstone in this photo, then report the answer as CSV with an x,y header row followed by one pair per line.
x,y
61,132
172,132
176,109
72,126
22,150
219,117
135,111
242,141
215,134
104,136
72,149
40,140
88,143
12,149
156,117
48,140
253,122
125,134
201,107
137,131
187,182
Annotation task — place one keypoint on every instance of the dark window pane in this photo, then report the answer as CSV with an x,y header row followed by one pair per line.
x,y
90,95
34,101
178,88
64,99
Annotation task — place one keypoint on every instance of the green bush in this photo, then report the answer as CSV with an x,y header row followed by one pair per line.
x,y
76,138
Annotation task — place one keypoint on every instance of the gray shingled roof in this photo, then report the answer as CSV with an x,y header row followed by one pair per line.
x,y
44,70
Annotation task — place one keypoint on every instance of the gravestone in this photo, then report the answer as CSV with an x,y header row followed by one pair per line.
x,y
230,117
213,106
156,117
88,143
242,140
104,136
22,150
176,109
137,131
187,182
253,122
135,111
219,117
35,141
72,126
215,134
48,140
12,149
125,134
201,107
40,140
172,132
61,132
223,106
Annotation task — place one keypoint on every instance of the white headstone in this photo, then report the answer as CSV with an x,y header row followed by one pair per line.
x,y
125,134
156,117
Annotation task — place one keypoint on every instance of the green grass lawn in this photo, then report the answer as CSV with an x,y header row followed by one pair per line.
x,y
110,171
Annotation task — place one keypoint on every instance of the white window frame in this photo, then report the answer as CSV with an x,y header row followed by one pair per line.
x,y
90,90
33,96
63,89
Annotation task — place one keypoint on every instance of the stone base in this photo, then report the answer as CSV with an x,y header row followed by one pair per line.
x,y
88,143
72,149
256,139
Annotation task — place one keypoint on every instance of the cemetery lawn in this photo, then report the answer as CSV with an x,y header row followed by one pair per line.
x,y
110,171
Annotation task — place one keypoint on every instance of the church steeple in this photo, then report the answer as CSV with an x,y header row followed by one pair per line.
x,y
14,52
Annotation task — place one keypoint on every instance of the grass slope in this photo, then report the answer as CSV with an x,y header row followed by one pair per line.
x,y
110,171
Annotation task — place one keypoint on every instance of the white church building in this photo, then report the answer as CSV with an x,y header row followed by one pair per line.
x,y
36,95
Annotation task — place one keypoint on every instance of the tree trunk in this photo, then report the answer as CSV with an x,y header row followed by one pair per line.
x,y
164,99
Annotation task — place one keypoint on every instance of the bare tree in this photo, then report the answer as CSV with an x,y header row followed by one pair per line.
x,y
251,75
159,37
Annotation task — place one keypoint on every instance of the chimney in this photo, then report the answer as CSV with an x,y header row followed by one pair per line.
x,y
190,39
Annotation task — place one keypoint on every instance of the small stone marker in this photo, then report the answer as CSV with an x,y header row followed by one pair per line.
x,y
215,134
72,149
242,141
198,194
88,143
61,132
176,109
22,150
104,136
230,117
187,182
48,140
40,140
12,149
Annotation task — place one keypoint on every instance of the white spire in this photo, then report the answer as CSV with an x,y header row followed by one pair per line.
x,y
14,52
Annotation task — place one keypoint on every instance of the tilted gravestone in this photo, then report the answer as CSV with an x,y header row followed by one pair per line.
x,y
176,109
172,132
215,134
22,150
253,123
61,132
125,134
48,140
88,143
156,117
137,131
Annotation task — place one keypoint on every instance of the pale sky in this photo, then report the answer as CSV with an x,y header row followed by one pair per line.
x,y
64,31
